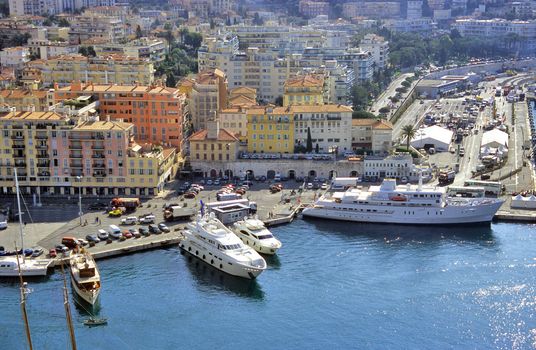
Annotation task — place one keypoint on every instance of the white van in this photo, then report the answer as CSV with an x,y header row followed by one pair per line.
x,y
114,231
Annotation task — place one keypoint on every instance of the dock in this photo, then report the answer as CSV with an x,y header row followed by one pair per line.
x,y
105,250
284,217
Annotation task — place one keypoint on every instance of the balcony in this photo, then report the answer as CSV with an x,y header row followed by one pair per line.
x,y
101,166
98,155
19,146
75,146
76,165
99,174
75,174
20,164
45,146
44,173
41,137
17,137
101,147
43,164
42,156
76,156
20,156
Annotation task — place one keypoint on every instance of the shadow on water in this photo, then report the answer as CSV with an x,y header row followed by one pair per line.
x,y
84,308
272,261
208,276
481,234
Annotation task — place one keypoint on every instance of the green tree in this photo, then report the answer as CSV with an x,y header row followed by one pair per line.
x,y
317,149
193,40
63,23
362,115
139,33
409,132
360,97
171,81
309,142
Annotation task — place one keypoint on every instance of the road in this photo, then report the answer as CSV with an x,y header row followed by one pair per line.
x,y
383,99
412,116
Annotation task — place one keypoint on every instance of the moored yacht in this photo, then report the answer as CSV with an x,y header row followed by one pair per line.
x,y
253,233
28,267
405,204
209,240
85,276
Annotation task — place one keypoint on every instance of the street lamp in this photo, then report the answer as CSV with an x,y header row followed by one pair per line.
x,y
79,178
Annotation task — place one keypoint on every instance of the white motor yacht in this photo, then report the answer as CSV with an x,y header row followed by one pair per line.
x,y
253,232
28,267
85,276
209,240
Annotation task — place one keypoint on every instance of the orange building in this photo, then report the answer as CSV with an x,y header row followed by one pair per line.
x,y
155,111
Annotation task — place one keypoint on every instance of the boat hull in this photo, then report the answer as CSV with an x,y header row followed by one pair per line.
x,y
9,267
220,262
89,297
450,215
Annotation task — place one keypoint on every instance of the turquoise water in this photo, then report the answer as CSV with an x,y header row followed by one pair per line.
x,y
332,284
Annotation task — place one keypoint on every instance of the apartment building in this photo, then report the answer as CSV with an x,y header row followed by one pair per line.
x,y
106,28
14,57
157,113
397,166
495,28
414,9
330,127
46,49
109,69
234,120
34,7
55,155
370,9
372,136
26,99
154,50
208,96
304,90
270,130
378,48
214,144
312,9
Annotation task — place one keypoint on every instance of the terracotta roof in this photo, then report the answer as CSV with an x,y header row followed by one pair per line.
x,y
374,123
103,125
120,88
304,81
241,100
383,124
19,93
209,76
31,116
243,90
224,135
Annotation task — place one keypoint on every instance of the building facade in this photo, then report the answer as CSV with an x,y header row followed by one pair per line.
x,y
156,112
208,96
304,90
270,130
14,57
26,99
372,136
379,49
144,48
55,155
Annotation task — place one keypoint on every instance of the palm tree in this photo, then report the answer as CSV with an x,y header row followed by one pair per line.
x,y
408,131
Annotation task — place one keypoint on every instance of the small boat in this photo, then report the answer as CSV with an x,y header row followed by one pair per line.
x,y
91,322
398,198
253,233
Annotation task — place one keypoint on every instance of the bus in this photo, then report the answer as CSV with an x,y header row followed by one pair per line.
x,y
465,192
490,187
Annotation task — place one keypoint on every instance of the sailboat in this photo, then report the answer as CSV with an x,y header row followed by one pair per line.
x,y
10,265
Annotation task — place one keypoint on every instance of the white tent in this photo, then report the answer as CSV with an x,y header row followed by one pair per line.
x,y
494,139
436,136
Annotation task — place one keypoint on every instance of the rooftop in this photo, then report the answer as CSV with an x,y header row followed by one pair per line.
x,y
103,125
30,116
304,81
223,135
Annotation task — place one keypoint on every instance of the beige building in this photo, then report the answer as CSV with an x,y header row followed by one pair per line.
x,y
304,90
56,155
26,99
378,47
235,121
372,136
207,97
87,28
110,69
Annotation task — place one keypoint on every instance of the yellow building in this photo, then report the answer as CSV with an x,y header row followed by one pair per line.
x,y
26,99
110,69
270,130
304,90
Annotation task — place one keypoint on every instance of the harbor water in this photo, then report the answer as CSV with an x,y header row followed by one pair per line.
x,y
341,285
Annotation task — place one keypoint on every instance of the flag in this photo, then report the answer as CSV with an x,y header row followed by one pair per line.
x,y
202,207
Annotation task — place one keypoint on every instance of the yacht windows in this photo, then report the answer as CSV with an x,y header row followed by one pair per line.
x,y
265,236
244,232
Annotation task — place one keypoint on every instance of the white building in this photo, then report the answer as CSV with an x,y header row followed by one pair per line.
x,y
398,166
46,49
379,49
433,136
153,49
330,126
494,28
494,139
14,57
414,9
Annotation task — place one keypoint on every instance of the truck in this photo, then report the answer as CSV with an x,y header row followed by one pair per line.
x,y
446,177
340,183
130,204
177,212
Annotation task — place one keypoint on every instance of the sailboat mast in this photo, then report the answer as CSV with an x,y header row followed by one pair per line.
x,y
23,305
68,310
20,213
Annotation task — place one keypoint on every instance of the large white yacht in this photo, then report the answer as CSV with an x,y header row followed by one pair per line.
x,y
85,276
209,240
405,204
253,232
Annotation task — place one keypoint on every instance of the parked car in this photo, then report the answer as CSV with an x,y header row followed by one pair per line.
x,y
134,232
147,219
217,182
103,235
82,242
69,242
93,238
61,248
190,195
144,231
324,186
310,186
3,224
131,220
163,227
209,182
27,252
52,253
37,252
115,212
115,234
154,229
127,234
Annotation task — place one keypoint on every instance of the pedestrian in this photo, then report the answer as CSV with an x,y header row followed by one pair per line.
x,y
85,222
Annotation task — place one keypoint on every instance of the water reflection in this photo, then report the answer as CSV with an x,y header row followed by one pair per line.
x,y
84,308
481,234
272,261
208,277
